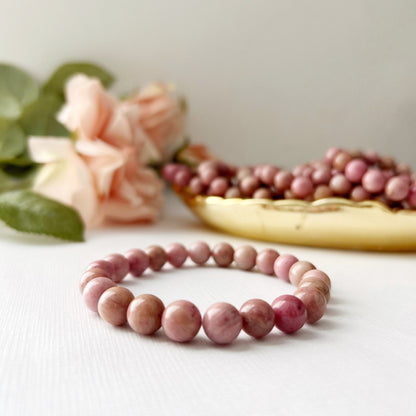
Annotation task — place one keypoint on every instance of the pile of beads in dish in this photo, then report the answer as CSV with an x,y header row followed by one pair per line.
x,y
222,322
355,175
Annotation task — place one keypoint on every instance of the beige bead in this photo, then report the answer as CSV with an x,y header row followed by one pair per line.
x,y
113,305
144,314
317,283
297,271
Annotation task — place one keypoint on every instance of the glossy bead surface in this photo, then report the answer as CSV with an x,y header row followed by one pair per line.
x,y
297,270
223,254
320,275
138,261
181,321
120,264
265,260
144,314
157,257
199,252
222,323
314,301
316,283
258,318
176,254
290,313
113,305
104,265
89,275
245,257
93,291
283,264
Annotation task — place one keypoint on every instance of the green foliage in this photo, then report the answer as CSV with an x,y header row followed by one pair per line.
x,y
12,140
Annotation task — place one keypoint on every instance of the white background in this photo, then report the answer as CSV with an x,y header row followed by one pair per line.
x,y
275,81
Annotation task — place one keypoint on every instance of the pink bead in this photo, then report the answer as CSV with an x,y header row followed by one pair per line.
x,y
207,176
93,291
262,193
265,260
181,321
222,323
89,275
297,271
113,305
121,266
301,187
248,185
245,257
218,187
340,185
144,314
318,274
322,191
355,170
104,265
412,197
199,252
321,176
258,318
359,194
283,264
176,254
397,188
314,302
268,173
374,181
341,160
182,178
157,257
138,261
283,180
243,172
169,171
196,187
372,156
331,153
233,192
290,313
223,254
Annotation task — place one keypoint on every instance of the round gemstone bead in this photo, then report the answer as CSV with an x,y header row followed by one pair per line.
x,y
121,266
138,261
297,271
218,187
283,264
314,302
176,254
290,313
113,305
93,291
265,260
89,275
223,254
222,323
397,188
282,180
355,170
340,185
157,257
359,194
320,275
181,321
144,314
258,318
301,187
104,265
374,181
316,283
199,252
322,191
245,257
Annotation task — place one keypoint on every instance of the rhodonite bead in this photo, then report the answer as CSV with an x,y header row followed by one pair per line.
x,y
341,160
89,275
290,313
104,265
233,192
322,191
317,283
320,275
374,181
314,301
268,173
199,252
138,261
144,314
339,184
331,153
223,254
301,187
113,305
121,266
283,264
265,260
258,318
321,176
176,254
359,194
157,257
262,193
297,270
182,178
245,257
248,185
196,186
93,291
355,170
181,321
397,188
169,171
218,187
282,180
222,323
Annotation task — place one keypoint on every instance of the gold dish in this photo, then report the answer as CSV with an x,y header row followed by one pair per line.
x,y
329,222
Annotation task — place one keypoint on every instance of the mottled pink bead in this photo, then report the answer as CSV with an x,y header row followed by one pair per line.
x,y
157,257
169,171
233,192
181,321
283,264
283,180
248,185
138,261
290,313
268,173
199,252
104,265
301,187
89,275
297,271
371,156
121,266
223,254
341,160
258,318
322,191
245,257
182,178
265,260
321,176
222,323
340,185
403,168
314,301
218,187
207,176
412,197
113,304
262,193
196,187
144,314
355,170
359,194
374,181
319,274
243,172
176,254
397,188
93,291
208,165
331,153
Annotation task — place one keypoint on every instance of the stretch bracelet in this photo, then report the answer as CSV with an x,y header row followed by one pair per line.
x,y
222,322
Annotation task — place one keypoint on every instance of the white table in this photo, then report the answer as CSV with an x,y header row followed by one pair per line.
x,y
57,358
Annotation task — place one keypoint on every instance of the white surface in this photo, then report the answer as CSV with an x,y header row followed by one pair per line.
x,y
294,77
57,358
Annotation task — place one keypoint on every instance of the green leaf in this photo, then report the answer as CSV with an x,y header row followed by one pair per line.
x,y
14,177
17,91
30,212
56,83
12,140
39,119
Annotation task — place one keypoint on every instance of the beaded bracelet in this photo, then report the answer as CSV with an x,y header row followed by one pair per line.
x,y
222,322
